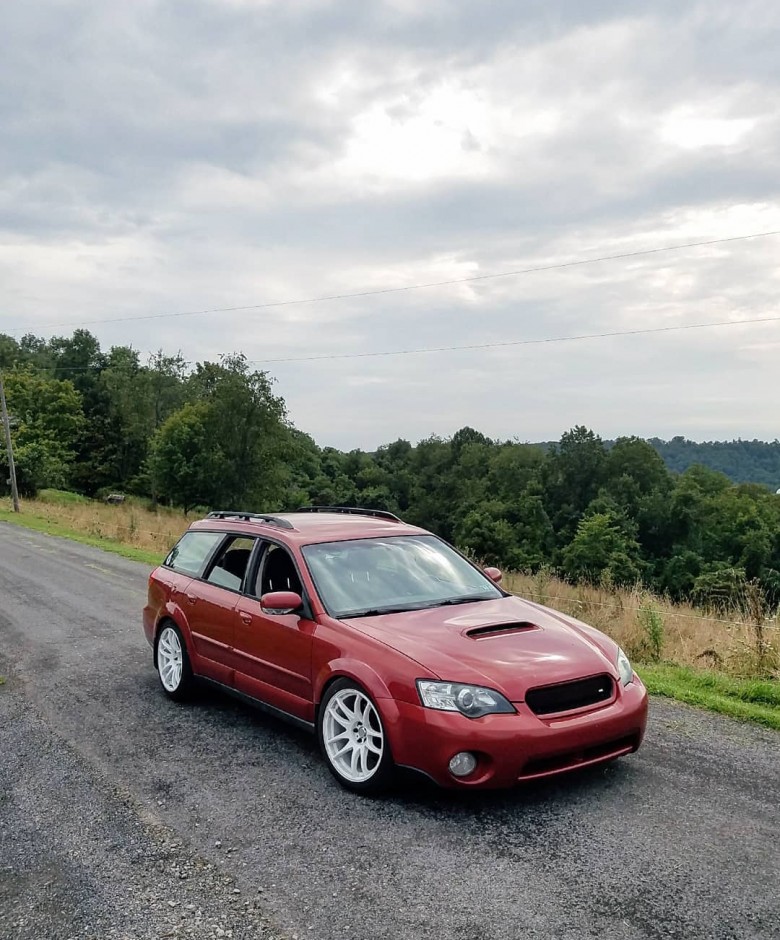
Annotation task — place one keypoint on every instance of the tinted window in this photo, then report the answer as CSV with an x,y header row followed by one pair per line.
x,y
190,553
277,573
231,563
393,574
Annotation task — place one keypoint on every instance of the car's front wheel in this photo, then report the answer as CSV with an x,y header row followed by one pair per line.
x,y
352,738
173,664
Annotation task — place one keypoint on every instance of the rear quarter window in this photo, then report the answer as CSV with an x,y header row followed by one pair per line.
x,y
191,552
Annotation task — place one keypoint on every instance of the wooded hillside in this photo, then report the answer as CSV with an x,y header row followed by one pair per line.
x,y
741,461
216,435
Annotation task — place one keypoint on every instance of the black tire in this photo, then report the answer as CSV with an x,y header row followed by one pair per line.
x,y
382,773
179,689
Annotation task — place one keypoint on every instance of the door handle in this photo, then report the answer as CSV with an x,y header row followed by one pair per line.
x,y
192,598
247,618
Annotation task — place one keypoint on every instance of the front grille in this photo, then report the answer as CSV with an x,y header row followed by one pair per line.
x,y
568,696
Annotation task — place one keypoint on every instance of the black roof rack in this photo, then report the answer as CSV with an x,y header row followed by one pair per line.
x,y
352,511
251,517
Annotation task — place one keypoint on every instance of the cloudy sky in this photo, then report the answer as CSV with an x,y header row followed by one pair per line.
x,y
167,157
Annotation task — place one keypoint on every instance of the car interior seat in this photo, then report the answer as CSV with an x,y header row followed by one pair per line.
x,y
235,561
279,573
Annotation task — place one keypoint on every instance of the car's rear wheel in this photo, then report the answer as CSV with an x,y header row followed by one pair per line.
x,y
173,664
353,740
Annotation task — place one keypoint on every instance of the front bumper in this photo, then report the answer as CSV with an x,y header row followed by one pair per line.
x,y
514,748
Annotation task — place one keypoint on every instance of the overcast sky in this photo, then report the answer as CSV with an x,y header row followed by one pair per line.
x,y
164,157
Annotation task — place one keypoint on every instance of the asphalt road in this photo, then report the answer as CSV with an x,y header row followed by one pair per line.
x,y
125,815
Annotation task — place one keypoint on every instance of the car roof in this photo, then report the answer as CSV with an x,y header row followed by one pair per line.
x,y
306,528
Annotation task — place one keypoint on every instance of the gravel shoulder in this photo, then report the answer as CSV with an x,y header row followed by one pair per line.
x,y
124,815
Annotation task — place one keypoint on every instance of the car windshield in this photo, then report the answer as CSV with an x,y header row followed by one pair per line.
x,y
387,575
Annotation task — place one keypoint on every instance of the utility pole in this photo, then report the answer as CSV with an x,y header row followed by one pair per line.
x,y
9,447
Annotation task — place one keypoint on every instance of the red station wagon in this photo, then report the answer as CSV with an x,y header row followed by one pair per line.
x,y
392,646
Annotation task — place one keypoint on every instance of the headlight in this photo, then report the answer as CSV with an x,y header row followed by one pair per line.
x,y
470,700
624,667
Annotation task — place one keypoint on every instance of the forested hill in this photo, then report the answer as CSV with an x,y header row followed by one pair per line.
x,y
213,434
741,461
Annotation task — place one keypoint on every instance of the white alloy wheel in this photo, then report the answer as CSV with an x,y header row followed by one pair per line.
x,y
352,735
170,659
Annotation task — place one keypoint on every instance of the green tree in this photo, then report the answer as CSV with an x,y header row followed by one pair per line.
x,y
184,462
486,535
572,476
80,360
48,423
679,573
533,531
513,467
434,498
601,549
634,459
165,376
123,382
248,425
331,486
9,351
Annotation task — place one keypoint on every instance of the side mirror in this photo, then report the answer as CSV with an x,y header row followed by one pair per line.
x,y
495,574
281,602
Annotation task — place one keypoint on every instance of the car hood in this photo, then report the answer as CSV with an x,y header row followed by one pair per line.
x,y
508,644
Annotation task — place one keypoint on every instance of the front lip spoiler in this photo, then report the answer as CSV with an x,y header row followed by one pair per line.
x,y
574,761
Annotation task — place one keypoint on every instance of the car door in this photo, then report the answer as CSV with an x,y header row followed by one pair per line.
x,y
272,651
179,576
210,603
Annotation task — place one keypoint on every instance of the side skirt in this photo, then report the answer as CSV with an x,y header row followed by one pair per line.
x,y
262,706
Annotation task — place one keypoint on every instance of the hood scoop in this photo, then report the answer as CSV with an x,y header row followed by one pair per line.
x,y
500,629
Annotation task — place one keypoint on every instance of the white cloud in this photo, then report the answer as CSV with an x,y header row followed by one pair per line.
x,y
690,132
242,152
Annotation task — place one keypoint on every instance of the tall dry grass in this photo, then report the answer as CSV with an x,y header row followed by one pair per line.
x,y
648,627
128,523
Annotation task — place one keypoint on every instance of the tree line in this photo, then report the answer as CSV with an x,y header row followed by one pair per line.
x,y
216,435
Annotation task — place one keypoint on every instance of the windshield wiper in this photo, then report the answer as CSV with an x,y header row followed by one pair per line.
x,y
373,612
402,608
468,599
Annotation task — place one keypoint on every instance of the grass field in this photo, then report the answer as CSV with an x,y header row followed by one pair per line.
x,y
714,662
652,629
128,529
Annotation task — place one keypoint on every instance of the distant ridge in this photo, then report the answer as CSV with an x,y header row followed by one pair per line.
x,y
741,461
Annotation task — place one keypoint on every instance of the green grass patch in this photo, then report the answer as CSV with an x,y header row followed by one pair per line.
x,y
756,700
62,497
39,524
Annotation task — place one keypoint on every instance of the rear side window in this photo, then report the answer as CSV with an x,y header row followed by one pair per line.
x,y
191,551
230,566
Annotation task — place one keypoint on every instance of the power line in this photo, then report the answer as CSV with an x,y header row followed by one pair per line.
x,y
494,345
520,342
413,287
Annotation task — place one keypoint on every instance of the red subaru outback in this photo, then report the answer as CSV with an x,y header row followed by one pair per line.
x,y
392,646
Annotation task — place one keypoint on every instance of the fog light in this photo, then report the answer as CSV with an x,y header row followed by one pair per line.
x,y
462,764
